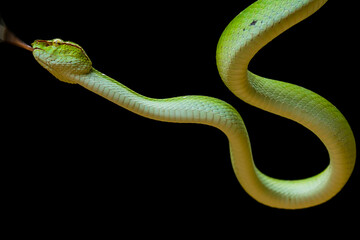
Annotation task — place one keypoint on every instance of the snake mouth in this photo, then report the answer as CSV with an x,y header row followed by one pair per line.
x,y
36,51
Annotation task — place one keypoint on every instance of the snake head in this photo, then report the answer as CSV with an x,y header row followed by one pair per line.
x,y
65,60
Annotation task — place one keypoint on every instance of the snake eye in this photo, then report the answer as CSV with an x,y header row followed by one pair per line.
x,y
57,42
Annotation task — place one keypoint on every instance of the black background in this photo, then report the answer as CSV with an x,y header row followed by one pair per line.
x,y
69,154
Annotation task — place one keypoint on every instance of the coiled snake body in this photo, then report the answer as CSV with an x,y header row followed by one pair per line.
x,y
244,36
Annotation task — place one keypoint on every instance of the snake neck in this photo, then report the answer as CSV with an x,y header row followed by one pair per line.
x,y
114,91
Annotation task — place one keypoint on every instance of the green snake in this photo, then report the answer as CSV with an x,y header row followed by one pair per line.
x,y
243,37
